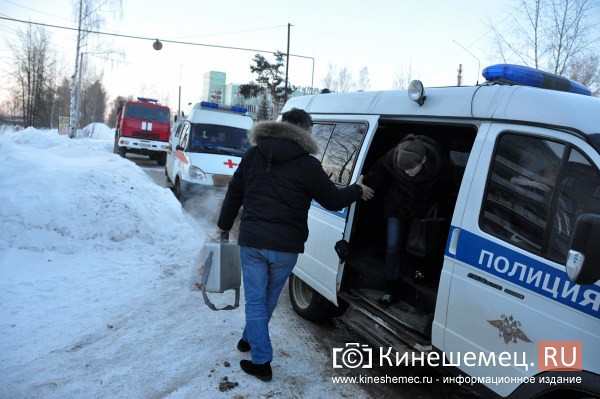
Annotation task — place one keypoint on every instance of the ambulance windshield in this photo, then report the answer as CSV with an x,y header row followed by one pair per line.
x,y
218,139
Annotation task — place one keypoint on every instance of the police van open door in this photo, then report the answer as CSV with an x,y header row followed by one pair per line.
x,y
341,143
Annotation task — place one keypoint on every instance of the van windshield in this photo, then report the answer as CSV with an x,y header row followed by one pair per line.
x,y
147,113
218,139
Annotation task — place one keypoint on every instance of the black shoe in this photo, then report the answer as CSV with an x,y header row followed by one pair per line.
x,y
261,371
243,346
387,299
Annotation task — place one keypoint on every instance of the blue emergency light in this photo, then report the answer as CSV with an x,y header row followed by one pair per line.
x,y
152,100
234,108
527,76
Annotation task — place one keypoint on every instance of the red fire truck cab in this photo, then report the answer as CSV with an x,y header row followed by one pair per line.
x,y
143,127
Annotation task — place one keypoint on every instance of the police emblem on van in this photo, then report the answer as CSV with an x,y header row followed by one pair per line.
x,y
509,329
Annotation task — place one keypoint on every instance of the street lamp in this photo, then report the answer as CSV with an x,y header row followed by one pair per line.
x,y
157,45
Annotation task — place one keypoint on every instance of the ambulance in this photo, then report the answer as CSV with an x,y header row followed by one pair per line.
x,y
206,149
509,297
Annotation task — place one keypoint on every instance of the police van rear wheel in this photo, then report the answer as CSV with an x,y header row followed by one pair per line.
x,y
311,305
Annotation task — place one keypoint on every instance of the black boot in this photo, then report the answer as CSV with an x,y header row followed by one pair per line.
x,y
243,346
261,371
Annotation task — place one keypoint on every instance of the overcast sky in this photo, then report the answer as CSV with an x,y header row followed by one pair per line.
x,y
390,37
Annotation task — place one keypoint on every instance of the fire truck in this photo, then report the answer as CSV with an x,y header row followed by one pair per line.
x,y
143,127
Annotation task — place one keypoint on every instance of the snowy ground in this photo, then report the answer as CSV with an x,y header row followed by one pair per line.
x,y
95,263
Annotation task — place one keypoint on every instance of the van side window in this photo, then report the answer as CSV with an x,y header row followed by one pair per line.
x,y
579,194
533,196
185,132
321,132
339,144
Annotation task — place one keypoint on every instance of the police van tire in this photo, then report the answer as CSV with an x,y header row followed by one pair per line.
x,y
311,305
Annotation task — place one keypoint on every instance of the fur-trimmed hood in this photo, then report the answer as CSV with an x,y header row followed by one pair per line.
x,y
282,140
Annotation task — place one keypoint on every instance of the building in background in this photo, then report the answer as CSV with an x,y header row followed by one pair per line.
x,y
214,87
217,90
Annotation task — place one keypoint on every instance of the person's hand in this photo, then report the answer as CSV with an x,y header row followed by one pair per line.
x,y
221,234
367,192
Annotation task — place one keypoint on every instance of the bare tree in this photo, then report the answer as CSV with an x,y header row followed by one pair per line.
x,y
61,106
339,81
114,109
34,75
364,83
586,70
344,81
88,17
328,81
550,35
94,103
401,80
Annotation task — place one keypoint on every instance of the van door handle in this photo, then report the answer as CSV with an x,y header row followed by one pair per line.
x,y
453,241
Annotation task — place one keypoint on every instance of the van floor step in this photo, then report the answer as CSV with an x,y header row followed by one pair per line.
x,y
401,319
372,332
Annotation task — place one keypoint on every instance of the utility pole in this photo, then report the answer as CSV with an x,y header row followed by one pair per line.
x,y
287,64
472,55
72,119
78,93
179,104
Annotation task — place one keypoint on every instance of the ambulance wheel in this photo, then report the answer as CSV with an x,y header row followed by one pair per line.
x,y
311,305
177,191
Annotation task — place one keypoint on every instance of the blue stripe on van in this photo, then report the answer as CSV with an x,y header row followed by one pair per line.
x,y
343,213
526,272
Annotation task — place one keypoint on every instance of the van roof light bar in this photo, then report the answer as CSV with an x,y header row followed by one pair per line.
x,y
222,107
527,76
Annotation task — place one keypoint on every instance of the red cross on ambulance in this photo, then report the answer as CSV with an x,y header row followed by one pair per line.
x,y
230,163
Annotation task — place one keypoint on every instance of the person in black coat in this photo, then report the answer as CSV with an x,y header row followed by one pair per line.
x,y
275,184
412,170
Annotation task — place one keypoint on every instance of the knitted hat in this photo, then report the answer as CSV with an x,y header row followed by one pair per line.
x,y
409,154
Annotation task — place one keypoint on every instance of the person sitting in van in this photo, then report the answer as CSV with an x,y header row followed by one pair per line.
x,y
210,141
412,170
275,183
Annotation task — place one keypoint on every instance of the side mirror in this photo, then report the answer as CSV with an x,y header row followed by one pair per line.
x,y
583,260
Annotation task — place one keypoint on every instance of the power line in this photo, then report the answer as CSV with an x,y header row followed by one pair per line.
x,y
147,38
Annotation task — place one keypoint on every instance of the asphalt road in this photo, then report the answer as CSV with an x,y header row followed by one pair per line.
x,y
336,334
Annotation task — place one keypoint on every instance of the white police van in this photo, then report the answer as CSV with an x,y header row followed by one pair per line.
x,y
206,149
516,273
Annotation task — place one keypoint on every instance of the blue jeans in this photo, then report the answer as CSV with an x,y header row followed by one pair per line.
x,y
396,233
265,273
